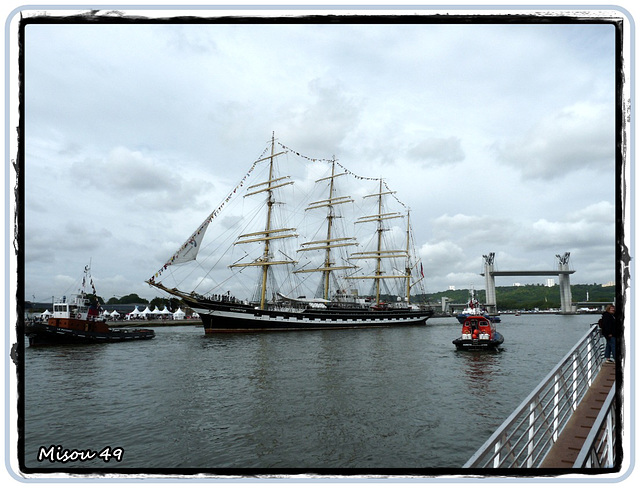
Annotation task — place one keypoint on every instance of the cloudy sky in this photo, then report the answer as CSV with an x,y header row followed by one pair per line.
x,y
500,137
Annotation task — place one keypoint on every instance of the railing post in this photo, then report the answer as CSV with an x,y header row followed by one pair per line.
x,y
532,429
556,407
589,362
609,434
496,450
574,381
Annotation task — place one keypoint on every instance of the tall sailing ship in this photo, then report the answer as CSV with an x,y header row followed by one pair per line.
x,y
330,243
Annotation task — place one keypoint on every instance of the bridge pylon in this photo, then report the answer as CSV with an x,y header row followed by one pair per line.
x,y
490,283
565,284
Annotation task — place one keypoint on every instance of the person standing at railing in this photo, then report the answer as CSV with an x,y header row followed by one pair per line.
x,y
609,330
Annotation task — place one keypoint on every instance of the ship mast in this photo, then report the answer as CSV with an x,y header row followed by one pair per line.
x,y
410,267
268,234
407,269
330,242
379,254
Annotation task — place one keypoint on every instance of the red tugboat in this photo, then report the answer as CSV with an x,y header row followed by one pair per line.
x,y
75,322
478,333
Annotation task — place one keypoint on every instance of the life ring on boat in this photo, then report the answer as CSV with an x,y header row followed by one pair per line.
x,y
79,315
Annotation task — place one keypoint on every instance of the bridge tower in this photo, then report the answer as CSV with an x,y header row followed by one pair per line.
x,y
490,283
565,284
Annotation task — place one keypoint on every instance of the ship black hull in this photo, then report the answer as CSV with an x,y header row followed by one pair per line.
x,y
479,344
44,334
225,317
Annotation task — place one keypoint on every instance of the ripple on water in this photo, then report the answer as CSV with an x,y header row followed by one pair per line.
x,y
398,398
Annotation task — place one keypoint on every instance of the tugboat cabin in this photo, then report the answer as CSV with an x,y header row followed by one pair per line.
x,y
477,328
77,309
76,314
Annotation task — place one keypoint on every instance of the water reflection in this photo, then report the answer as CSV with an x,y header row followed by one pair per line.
x,y
480,371
394,398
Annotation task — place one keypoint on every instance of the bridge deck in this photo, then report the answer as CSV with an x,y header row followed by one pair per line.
x,y
566,449
554,272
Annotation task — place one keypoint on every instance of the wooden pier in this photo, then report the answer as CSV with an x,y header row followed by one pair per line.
x,y
564,452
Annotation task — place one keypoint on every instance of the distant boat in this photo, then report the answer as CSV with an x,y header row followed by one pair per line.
x,y
474,308
75,321
317,250
478,333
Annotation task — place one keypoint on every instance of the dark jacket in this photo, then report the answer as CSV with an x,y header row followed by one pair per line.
x,y
609,325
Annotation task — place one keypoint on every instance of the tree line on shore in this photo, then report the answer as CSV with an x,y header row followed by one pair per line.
x,y
526,297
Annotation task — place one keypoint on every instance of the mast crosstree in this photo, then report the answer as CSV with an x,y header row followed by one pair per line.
x,y
268,234
379,254
330,242
265,244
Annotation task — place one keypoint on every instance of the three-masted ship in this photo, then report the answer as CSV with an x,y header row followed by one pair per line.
x,y
336,302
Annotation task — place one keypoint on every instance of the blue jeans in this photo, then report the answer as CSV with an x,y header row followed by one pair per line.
x,y
610,347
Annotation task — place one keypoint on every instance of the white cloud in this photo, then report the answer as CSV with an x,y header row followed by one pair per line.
x,y
569,234
123,170
142,180
499,137
321,122
437,150
597,213
575,138
469,229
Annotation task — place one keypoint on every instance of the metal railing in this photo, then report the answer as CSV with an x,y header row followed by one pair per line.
x,y
598,450
525,437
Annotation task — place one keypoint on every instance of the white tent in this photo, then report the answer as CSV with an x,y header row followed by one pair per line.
x,y
46,314
135,313
178,314
115,314
145,312
165,311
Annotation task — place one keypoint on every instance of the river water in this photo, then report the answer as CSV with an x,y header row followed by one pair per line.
x,y
371,399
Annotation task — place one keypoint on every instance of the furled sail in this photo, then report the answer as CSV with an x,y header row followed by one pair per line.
x,y
283,192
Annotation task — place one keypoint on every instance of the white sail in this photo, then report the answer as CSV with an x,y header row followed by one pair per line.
x,y
189,250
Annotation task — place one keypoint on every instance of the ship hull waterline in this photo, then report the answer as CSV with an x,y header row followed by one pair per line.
x,y
47,334
218,318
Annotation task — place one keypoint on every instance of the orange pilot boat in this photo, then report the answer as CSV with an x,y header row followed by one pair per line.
x,y
74,321
478,333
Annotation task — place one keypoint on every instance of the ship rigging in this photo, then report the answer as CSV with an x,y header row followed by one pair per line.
x,y
318,242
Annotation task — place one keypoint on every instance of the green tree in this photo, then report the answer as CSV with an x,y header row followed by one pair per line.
x,y
526,297
93,298
162,302
131,298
